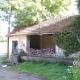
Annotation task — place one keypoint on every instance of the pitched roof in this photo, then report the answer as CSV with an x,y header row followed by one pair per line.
x,y
49,26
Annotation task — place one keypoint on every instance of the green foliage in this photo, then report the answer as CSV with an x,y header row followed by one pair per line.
x,y
78,5
2,39
67,42
51,71
75,69
76,23
66,53
4,58
28,12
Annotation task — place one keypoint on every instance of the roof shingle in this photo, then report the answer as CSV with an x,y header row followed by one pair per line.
x,y
49,26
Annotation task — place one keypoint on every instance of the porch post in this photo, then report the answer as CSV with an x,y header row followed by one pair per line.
x,y
27,42
40,41
54,44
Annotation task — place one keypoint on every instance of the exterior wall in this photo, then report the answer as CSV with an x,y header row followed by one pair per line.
x,y
24,43
59,51
66,61
21,43
27,41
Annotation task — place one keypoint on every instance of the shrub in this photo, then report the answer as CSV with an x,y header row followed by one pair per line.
x,y
66,53
75,69
67,41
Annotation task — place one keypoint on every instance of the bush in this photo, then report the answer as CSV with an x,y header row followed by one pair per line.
x,y
66,53
67,41
75,69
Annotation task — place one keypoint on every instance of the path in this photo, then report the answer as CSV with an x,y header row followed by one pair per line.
x,y
11,75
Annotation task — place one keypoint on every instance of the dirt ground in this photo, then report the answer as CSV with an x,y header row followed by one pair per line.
x,y
6,74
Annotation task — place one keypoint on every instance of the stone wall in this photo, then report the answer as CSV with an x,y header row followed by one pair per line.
x,y
66,61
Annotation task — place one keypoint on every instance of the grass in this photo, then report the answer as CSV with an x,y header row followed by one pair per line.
x,y
3,58
51,71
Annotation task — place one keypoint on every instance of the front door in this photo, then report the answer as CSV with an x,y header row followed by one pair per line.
x,y
14,47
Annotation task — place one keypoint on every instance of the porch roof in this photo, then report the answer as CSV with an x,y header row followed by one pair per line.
x,y
49,26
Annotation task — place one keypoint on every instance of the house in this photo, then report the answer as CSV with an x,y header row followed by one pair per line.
x,y
38,36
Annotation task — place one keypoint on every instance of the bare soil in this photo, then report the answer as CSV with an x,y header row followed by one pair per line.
x,y
6,74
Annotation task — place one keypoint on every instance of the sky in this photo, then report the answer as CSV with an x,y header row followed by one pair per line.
x,y
73,7
3,27
4,24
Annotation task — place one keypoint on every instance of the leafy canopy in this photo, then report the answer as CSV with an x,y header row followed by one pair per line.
x,y
28,12
78,5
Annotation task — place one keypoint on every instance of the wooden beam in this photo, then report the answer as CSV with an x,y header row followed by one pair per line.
x,y
41,41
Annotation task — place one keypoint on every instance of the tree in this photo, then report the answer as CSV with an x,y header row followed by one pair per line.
x,y
28,12
76,23
78,5
70,40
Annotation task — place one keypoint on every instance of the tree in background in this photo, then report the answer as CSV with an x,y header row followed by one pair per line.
x,y
78,5
26,12
75,69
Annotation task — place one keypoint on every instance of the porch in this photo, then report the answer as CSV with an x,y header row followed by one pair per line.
x,y
42,41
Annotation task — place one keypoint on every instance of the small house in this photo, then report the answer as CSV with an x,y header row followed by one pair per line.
x,y
38,36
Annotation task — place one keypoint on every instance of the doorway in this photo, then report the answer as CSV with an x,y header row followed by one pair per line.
x,y
14,47
35,41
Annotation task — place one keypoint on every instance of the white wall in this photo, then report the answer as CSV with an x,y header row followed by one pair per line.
x,y
59,51
28,41
24,43
21,43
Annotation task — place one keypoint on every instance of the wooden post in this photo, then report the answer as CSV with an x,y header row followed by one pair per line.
x,y
53,44
41,41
